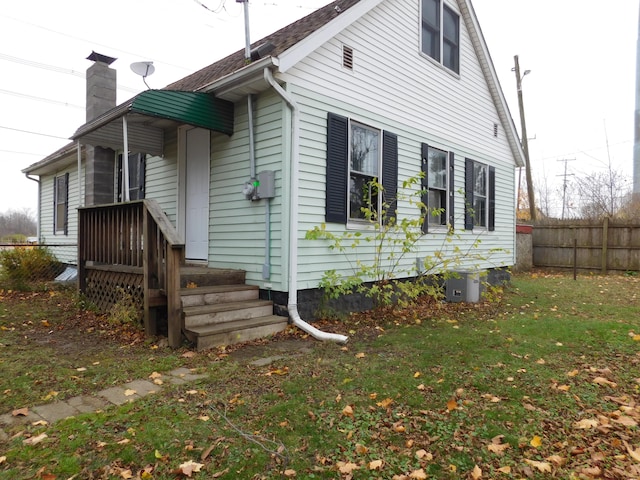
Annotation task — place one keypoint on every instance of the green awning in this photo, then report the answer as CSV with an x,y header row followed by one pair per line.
x,y
193,108
151,111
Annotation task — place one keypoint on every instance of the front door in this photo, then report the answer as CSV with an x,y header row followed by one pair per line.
x,y
197,194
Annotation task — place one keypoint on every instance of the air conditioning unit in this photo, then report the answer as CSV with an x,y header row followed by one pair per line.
x,y
465,287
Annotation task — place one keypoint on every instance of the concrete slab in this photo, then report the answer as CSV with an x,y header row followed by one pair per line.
x,y
52,412
87,404
185,374
116,396
142,387
263,362
3,436
8,419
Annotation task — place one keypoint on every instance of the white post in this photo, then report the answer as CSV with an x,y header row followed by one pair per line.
x,y
125,161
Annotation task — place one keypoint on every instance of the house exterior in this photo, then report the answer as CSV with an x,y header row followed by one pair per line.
x,y
244,157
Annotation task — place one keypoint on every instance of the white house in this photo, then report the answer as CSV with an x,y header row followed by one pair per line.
x,y
244,157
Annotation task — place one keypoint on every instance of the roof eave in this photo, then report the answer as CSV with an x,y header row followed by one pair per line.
x,y
489,71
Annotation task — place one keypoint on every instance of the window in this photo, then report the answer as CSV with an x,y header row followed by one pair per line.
x,y
480,195
441,33
357,155
137,163
61,204
364,167
437,183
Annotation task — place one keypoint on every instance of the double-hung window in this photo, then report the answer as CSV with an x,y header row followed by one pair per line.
x,y
360,158
437,184
441,33
364,171
61,204
480,180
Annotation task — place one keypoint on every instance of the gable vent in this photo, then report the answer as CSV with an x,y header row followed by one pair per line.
x,y
347,57
495,130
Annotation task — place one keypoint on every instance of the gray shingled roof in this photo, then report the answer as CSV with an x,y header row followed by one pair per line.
x,y
282,40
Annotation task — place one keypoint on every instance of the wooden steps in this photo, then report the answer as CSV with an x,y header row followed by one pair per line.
x,y
216,312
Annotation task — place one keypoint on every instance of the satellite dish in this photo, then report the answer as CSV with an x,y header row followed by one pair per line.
x,y
144,69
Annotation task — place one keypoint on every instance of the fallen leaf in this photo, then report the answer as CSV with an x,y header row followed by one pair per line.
x,y
360,355
376,465
544,467
536,441
189,467
35,440
385,403
81,369
586,424
557,460
204,418
452,404
424,455
3,459
604,381
418,474
188,354
417,375
361,449
421,387
191,392
626,421
506,469
540,361
573,373
40,423
124,441
476,474
347,467
20,412
155,375
129,392
347,411
635,454
220,473
290,473
498,448
127,474
278,371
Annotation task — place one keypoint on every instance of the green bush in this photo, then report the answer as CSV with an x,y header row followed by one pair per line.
x,y
22,267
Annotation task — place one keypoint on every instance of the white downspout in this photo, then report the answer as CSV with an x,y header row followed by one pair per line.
x,y
37,180
79,152
292,306
125,160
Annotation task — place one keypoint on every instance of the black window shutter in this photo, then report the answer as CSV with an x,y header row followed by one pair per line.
x,y
451,191
390,173
337,168
66,203
468,194
492,199
425,186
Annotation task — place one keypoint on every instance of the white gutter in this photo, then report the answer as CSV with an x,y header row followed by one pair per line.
x,y
292,306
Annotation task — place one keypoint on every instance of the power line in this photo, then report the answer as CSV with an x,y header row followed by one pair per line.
x,y
23,153
40,99
53,68
34,133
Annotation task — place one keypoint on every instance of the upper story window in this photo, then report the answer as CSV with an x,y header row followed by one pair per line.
x,y
441,33
359,159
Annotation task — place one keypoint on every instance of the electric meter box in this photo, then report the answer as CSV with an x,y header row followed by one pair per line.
x,y
267,185
465,287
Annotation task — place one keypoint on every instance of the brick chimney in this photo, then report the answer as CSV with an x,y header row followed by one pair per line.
x,y
101,97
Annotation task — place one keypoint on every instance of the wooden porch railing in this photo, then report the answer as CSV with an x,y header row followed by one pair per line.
x,y
132,247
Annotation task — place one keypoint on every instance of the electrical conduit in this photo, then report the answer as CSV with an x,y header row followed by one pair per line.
x,y
293,222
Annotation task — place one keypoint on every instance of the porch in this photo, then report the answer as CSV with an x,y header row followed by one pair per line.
x,y
131,252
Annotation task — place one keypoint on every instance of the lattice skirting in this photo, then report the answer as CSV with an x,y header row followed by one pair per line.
x,y
105,289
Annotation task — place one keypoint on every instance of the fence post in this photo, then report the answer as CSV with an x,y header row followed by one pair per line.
x,y
605,240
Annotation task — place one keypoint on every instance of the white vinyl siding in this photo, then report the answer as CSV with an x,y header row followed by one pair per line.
x,y
396,89
161,182
64,246
237,225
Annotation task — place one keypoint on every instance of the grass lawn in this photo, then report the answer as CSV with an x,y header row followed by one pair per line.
x,y
543,381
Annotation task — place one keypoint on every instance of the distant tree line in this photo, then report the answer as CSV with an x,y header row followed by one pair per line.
x,y
17,225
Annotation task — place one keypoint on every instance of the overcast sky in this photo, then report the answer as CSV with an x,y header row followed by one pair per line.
x,y
579,97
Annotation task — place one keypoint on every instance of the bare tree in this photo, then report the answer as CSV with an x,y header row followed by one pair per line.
x,y
601,194
17,222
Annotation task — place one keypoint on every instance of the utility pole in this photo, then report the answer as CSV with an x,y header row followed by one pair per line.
x,y
525,141
564,182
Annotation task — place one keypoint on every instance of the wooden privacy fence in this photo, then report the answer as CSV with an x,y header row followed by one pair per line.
x,y
132,251
603,246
